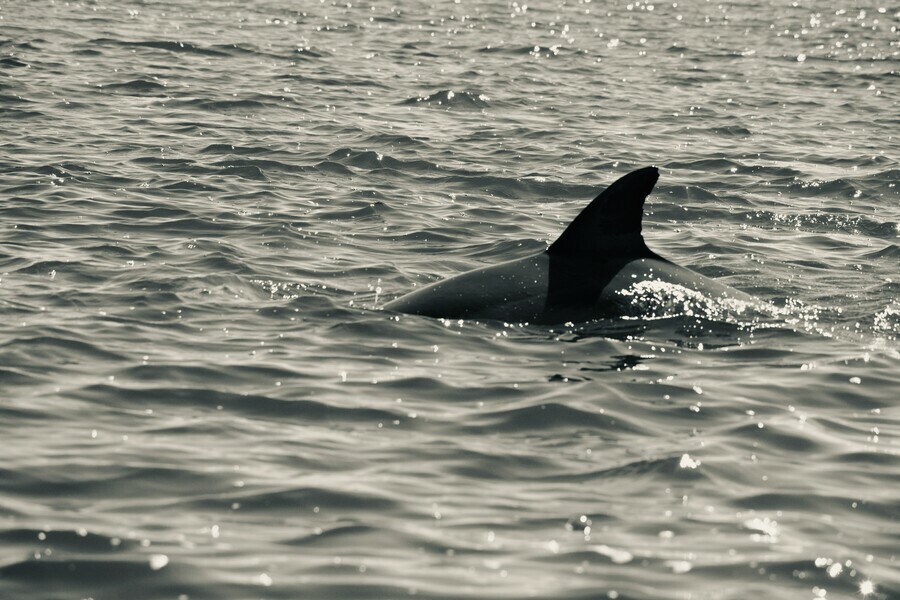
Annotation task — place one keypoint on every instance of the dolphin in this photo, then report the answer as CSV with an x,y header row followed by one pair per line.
x,y
598,268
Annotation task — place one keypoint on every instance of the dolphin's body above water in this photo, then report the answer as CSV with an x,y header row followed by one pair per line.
x,y
599,267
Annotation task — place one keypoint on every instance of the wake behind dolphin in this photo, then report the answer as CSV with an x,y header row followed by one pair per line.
x,y
599,267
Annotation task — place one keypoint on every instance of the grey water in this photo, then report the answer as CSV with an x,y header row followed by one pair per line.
x,y
204,207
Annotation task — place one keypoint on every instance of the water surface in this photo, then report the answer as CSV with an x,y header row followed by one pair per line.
x,y
203,208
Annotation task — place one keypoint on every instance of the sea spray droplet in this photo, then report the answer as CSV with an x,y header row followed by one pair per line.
x,y
687,462
158,561
679,566
616,555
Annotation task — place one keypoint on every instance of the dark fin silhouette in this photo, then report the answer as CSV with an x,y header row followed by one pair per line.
x,y
611,223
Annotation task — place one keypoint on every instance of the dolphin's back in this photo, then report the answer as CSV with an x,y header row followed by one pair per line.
x,y
514,290
598,267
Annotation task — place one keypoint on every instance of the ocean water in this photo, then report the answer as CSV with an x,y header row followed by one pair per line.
x,y
204,206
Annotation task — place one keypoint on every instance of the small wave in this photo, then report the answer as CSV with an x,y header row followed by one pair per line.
x,y
12,61
7,99
419,51
191,186
258,405
370,210
244,172
732,131
136,87
817,504
13,377
322,500
223,105
62,171
777,439
452,99
122,482
439,240
370,159
66,540
234,149
535,51
170,46
153,574
173,164
77,573
830,187
49,349
43,266
403,141
360,534
682,193
345,82
891,251
549,416
512,50
260,165
665,468
875,184
481,465
329,166
18,113
244,50
830,222
308,52
152,212
711,165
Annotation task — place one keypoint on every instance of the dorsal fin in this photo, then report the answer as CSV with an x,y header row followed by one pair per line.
x,y
611,223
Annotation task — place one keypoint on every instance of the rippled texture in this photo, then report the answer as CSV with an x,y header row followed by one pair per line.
x,y
203,206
